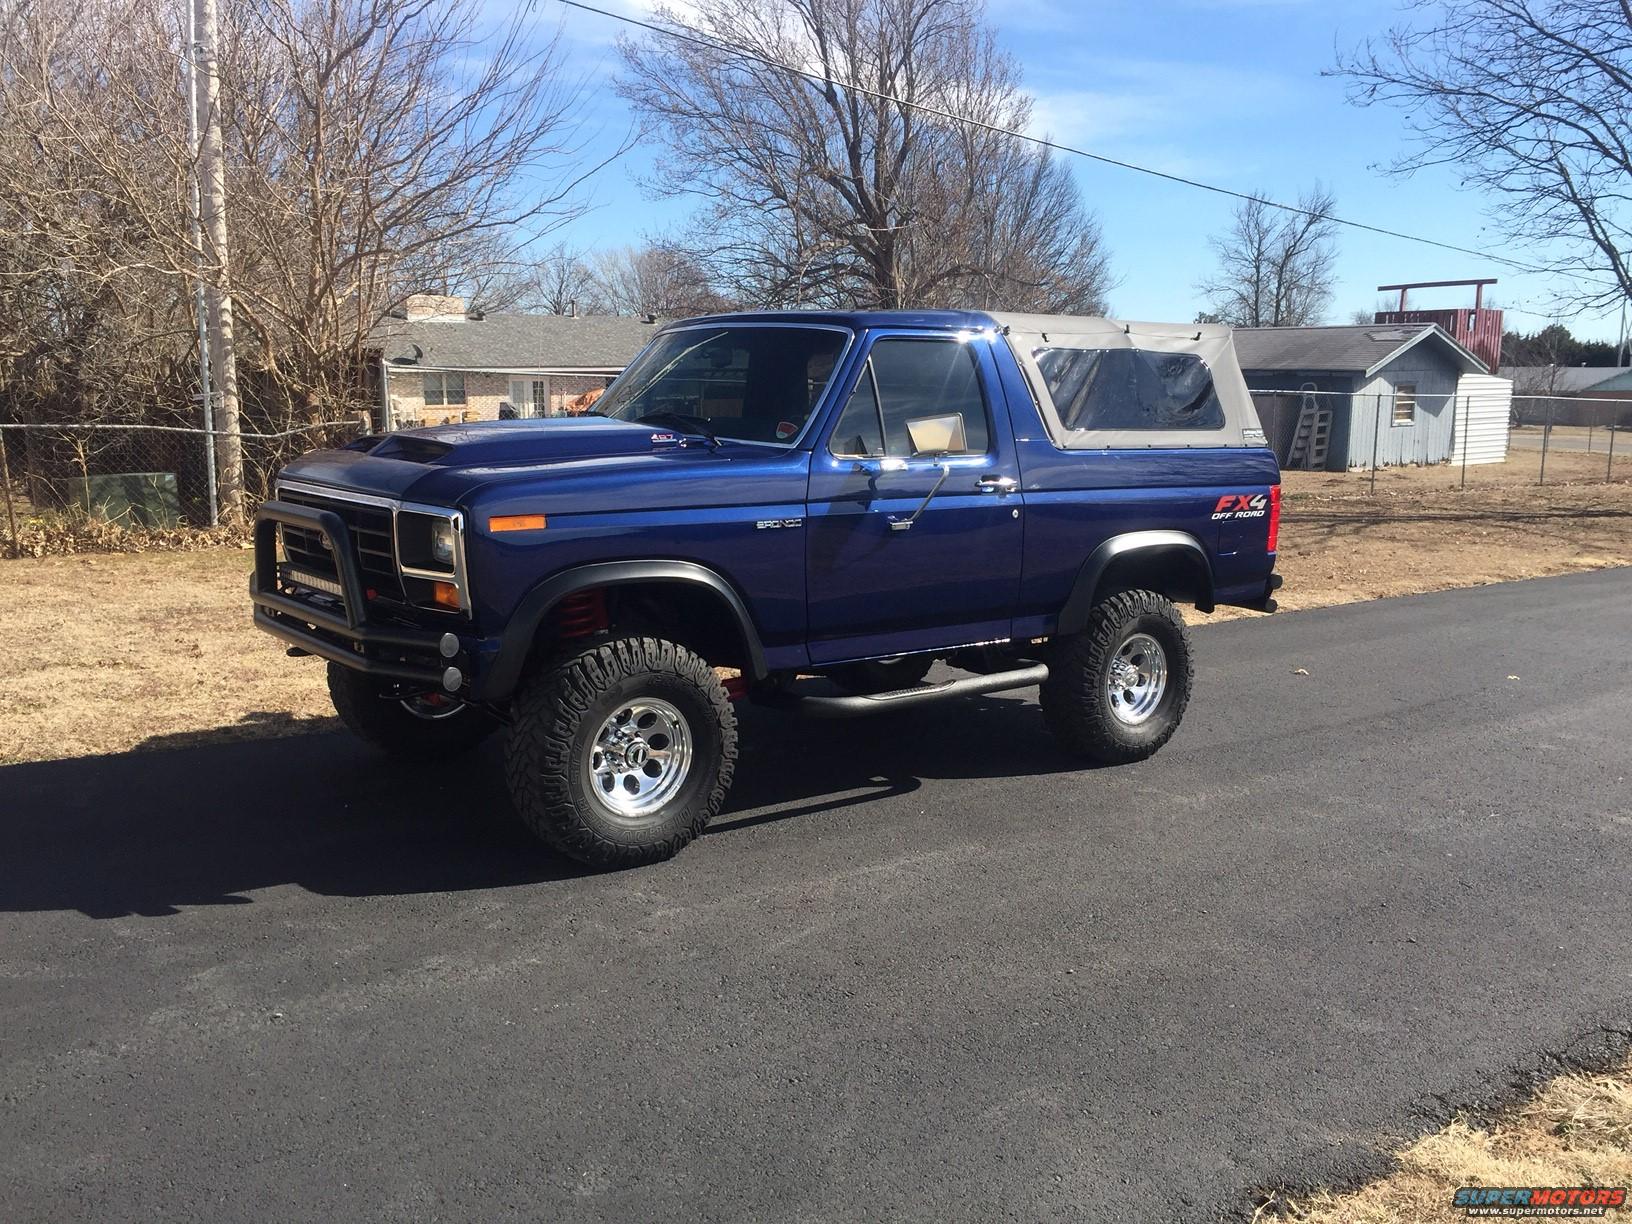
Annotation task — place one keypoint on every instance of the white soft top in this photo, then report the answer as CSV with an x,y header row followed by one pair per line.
x,y
1027,334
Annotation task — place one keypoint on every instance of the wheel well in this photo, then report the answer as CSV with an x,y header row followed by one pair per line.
x,y
1175,571
696,616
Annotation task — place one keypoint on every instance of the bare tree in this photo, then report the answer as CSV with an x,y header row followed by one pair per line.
x,y
1275,268
373,148
562,283
827,192
654,280
1531,101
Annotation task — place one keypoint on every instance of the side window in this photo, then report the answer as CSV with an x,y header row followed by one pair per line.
x,y
915,397
859,433
1130,389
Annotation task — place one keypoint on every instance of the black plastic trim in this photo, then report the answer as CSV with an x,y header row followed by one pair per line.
x,y
500,678
1074,616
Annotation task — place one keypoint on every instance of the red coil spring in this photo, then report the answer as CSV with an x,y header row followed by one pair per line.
x,y
581,614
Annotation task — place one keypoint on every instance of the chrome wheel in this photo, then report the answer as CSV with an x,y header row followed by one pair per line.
x,y
640,758
1136,679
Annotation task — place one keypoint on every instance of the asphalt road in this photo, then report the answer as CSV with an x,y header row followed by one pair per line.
x,y
923,969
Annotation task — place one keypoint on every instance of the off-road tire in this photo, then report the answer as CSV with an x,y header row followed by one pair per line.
x,y
375,716
1076,704
882,676
555,719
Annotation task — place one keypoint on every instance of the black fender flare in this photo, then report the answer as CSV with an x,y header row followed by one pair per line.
x,y
504,673
1074,616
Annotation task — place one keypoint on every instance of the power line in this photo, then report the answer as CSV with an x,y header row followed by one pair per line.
x,y
746,53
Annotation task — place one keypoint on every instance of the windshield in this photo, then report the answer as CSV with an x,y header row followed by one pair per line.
x,y
757,384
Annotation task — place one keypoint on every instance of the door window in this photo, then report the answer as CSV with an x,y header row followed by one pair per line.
x,y
915,397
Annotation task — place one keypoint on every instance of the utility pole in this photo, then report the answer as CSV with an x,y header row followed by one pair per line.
x,y
212,189
201,311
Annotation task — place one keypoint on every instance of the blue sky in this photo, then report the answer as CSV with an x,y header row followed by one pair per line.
x,y
1228,91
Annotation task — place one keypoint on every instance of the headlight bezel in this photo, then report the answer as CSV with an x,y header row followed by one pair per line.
x,y
419,555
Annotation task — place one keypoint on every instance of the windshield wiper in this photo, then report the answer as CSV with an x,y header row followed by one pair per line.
x,y
682,421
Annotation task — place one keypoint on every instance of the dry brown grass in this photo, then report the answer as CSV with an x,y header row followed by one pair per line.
x,y
1578,1131
113,652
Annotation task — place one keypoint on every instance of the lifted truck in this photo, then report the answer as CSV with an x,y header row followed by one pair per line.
x,y
818,501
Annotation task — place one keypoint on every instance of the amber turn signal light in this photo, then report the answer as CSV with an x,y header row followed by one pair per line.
x,y
516,522
445,595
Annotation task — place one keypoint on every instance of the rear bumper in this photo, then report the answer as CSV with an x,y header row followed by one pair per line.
x,y
334,623
1267,603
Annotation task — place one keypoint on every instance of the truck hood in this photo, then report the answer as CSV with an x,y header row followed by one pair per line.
x,y
440,464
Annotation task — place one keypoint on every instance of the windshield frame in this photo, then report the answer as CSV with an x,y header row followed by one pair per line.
x,y
816,407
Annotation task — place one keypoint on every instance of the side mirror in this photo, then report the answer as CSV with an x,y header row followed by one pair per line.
x,y
938,435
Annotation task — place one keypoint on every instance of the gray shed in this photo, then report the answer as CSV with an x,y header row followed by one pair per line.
x,y
1391,389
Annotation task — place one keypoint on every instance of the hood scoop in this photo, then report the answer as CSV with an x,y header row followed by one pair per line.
x,y
495,443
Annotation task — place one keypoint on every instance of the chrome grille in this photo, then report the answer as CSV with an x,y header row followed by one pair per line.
x,y
372,540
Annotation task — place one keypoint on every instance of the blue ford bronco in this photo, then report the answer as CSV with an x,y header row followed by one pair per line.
x,y
823,504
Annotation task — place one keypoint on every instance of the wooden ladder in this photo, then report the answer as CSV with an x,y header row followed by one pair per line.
x,y
1313,437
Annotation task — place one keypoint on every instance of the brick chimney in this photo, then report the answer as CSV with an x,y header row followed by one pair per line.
x,y
433,307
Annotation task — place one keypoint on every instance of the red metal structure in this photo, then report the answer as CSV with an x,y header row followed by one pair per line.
x,y
1478,330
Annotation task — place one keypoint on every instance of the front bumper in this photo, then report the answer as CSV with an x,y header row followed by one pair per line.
x,y
334,624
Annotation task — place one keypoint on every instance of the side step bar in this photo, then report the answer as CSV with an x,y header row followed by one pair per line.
x,y
923,694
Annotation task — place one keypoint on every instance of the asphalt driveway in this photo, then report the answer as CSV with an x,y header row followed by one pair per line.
x,y
925,968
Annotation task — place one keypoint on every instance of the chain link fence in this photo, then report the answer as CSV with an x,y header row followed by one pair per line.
x,y
85,481
1484,438
98,478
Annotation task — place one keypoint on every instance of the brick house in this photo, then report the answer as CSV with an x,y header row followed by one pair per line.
x,y
439,364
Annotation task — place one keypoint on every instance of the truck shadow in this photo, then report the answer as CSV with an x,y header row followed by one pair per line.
x,y
208,821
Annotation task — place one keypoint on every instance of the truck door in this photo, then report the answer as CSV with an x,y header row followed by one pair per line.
x,y
913,530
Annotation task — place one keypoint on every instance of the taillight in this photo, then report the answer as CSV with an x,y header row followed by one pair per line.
x,y
1274,515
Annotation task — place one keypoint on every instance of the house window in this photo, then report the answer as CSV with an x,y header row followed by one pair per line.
x,y
1405,404
444,388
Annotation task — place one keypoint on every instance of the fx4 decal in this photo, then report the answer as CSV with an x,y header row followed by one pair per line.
x,y
1241,506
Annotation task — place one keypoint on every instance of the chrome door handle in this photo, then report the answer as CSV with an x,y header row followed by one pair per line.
x,y
997,484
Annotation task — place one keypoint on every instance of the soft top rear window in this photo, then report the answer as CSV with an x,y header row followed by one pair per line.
x,y
1121,388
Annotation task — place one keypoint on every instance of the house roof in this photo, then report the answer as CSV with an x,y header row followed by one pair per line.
x,y
1562,380
1360,348
514,342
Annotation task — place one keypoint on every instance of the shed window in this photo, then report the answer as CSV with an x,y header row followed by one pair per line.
x,y
1405,404
444,388
1129,389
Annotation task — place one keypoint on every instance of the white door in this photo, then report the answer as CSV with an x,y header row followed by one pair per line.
x,y
521,396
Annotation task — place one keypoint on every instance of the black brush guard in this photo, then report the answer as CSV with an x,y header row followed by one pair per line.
x,y
344,637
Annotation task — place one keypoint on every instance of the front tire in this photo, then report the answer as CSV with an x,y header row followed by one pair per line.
x,y
1116,692
418,725
621,753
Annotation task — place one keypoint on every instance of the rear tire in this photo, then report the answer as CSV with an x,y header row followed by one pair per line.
x,y
1116,692
621,753
427,724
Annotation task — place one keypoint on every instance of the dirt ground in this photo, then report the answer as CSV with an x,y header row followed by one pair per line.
x,y
1422,532
112,652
